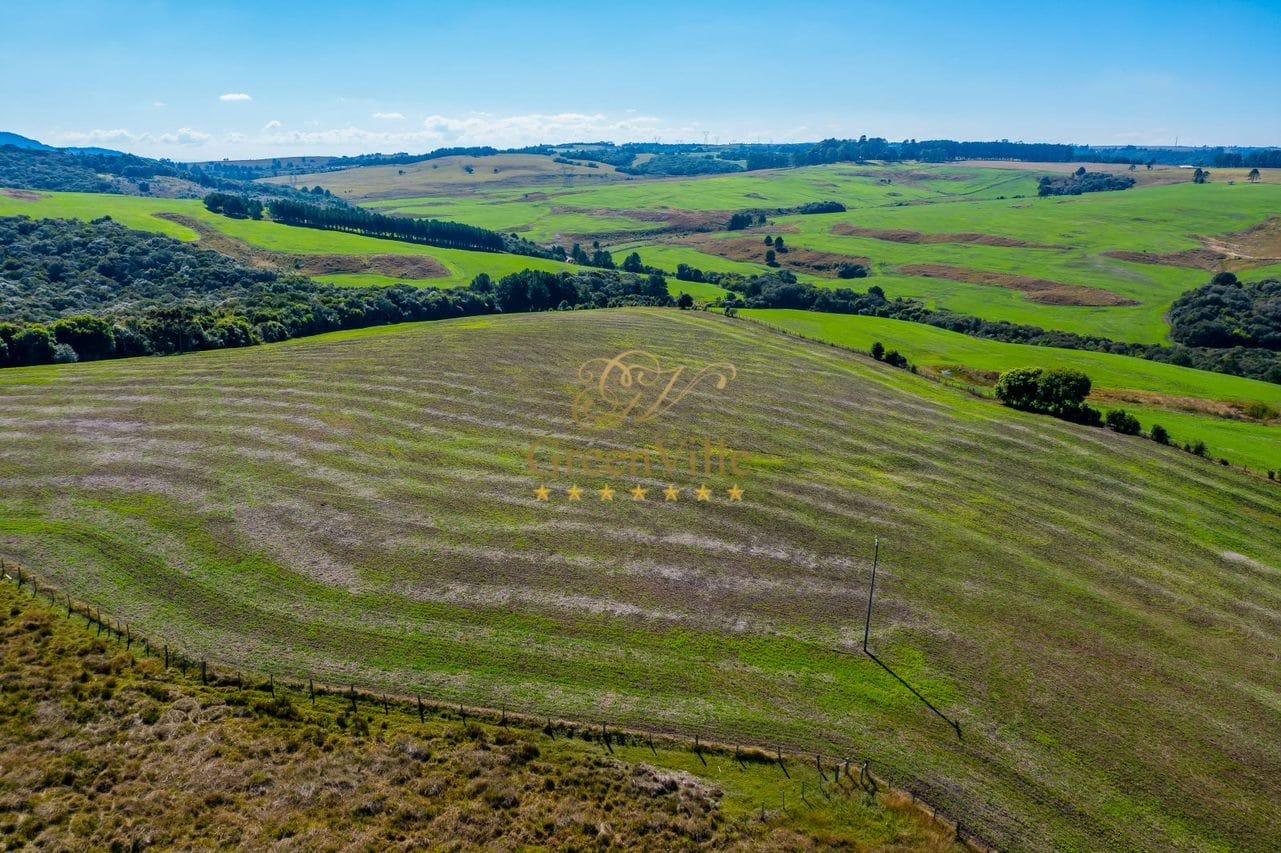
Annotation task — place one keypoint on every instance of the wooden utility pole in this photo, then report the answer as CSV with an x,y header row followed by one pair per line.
x,y
871,590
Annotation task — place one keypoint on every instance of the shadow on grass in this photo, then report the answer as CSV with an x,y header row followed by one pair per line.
x,y
956,726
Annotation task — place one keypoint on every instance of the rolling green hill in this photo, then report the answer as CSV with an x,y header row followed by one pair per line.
x,y
1210,407
1099,613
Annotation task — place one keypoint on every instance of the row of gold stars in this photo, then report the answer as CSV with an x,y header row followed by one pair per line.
x,y
671,494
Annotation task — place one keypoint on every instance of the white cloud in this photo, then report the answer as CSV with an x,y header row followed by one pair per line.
x,y
388,116
97,136
271,125
160,105
235,96
185,136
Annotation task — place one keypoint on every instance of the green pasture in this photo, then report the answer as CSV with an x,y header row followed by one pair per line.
x,y
1096,611
1244,442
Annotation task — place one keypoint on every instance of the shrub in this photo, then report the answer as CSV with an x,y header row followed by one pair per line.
x,y
64,354
1060,392
878,351
1119,420
684,301
1260,411
1159,434
895,358
852,271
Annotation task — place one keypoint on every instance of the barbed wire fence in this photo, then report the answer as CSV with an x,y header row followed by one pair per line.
x,y
834,775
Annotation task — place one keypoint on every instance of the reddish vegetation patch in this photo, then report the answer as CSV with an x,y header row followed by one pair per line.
x,y
672,219
396,266
1197,259
753,249
1037,289
1240,410
23,195
900,235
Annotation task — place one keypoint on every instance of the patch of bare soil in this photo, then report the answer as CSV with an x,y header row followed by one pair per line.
x,y
901,235
752,250
23,195
1197,259
1037,289
1261,244
395,266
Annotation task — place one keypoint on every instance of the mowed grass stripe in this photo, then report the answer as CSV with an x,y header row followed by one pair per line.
x,y
385,532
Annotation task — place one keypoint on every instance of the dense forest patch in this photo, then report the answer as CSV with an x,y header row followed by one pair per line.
x,y
1229,313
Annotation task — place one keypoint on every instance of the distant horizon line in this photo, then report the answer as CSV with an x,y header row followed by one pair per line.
x,y
682,142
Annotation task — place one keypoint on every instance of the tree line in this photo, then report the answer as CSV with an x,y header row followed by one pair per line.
x,y
431,232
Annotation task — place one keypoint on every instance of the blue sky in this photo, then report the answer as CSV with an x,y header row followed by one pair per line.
x,y
197,80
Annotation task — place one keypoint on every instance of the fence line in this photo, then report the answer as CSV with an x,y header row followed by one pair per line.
x,y
608,735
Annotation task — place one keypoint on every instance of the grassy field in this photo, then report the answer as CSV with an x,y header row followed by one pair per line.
x,y
121,753
1157,220
1063,241
141,213
1098,612
1170,395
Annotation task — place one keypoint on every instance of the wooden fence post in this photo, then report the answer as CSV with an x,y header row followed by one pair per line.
x,y
422,718
311,691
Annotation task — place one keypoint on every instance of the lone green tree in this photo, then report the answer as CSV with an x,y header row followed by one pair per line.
x,y
1253,177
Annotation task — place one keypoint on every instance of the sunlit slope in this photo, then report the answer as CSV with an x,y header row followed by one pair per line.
x,y
149,214
1102,615
1193,405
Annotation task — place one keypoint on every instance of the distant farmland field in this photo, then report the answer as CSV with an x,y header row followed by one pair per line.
x,y
1098,612
968,237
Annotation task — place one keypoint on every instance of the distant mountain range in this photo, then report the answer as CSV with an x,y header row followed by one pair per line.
x,y
19,141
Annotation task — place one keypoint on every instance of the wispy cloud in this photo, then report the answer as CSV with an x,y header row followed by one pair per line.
x,y
235,96
389,116
119,136
271,125
160,105
185,136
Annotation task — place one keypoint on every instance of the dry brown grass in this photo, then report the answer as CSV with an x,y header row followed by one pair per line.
x,y
104,749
